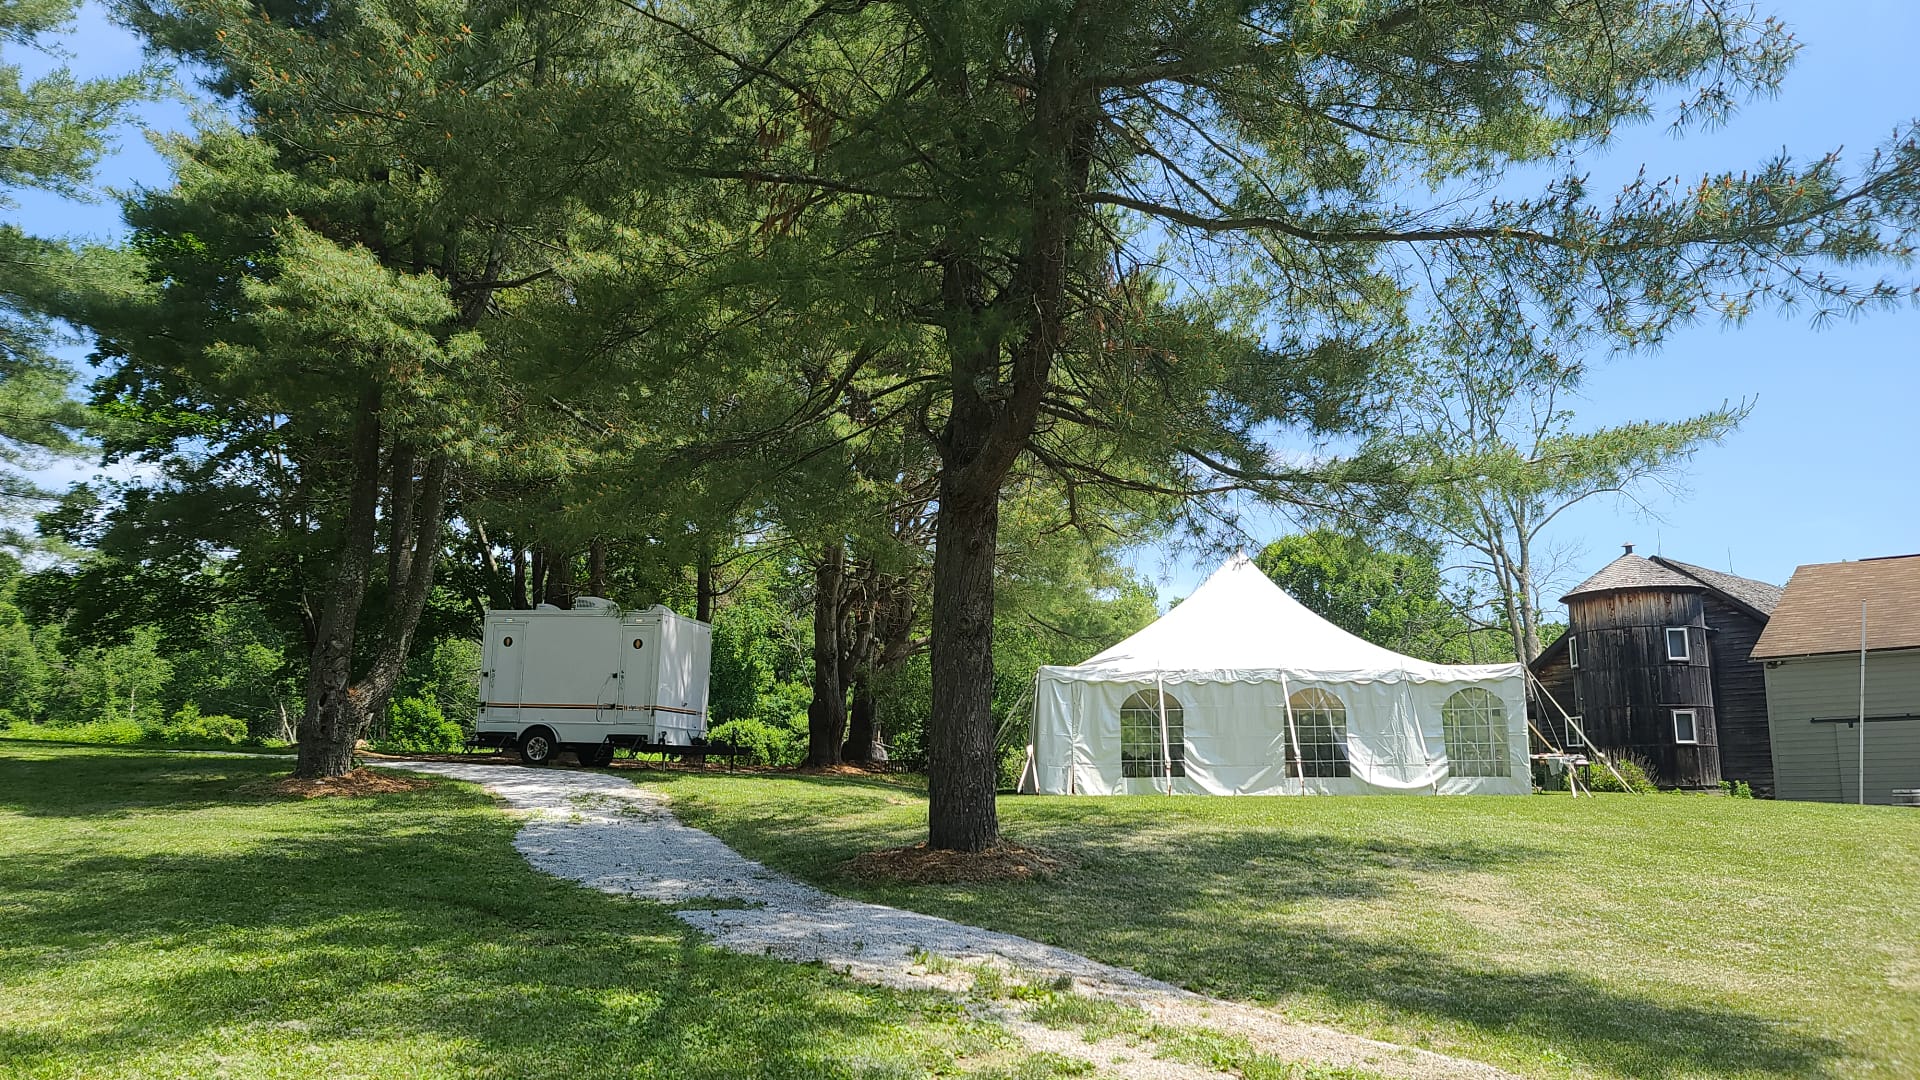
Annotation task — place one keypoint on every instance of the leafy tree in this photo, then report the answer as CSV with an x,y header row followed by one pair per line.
x,y
116,682
398,173
54,130
1004,178
1504,459
1395,599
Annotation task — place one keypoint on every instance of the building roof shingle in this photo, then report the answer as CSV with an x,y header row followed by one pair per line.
x,y
1632,571
1757,595
1820,612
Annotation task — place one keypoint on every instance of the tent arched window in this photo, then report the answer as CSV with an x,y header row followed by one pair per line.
x,y
1474,723
1141,737
1320,726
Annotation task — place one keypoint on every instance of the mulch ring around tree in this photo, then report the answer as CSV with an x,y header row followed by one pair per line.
x,y
347,785
921,865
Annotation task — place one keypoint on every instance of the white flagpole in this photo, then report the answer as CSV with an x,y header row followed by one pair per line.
x,y
1861,778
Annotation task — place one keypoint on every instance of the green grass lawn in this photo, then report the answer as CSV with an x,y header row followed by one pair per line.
x,y
161,919
1618,936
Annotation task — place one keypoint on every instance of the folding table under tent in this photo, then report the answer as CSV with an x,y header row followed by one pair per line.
x,y
1240,690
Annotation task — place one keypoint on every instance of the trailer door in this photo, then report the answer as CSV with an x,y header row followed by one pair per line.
x,y
500,678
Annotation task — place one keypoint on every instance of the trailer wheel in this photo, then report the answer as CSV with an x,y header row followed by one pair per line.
x,y
596,755
537,746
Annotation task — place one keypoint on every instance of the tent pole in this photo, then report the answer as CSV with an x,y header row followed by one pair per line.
x,y
1166,749
1293,736
1578,730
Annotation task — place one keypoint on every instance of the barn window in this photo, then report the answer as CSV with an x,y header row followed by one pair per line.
x,y
1677,643
1474,723
1686,726
1573,650
1320,731
1141,738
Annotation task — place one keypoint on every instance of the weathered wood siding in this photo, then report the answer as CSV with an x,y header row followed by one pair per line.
x,y
1557,678
1820,761
1739,695
1627,689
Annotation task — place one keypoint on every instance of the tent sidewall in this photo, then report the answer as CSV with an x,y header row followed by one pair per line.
x,y
1234,732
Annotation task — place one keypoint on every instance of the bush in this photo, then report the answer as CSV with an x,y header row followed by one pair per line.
x,y
766,744
1630,767
415,725
1736,789
188,725
100,732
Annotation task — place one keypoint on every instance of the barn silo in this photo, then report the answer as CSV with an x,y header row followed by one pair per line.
x,y
1643,681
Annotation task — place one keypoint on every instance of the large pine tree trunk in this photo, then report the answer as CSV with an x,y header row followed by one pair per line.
x,y
827,712
863,725
597,568
416,537
521,600
703,592
560,590
331,724
962,771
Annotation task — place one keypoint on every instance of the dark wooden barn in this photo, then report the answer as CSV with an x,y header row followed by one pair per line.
x,y
1655,663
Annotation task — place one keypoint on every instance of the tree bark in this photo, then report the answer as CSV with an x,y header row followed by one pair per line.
x,y
863,725
560,589
330,726
963,774
597,567
537,590
407,598
520,595
703,583
827,712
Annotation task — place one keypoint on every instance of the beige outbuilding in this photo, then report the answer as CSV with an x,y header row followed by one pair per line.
x,y
1814,666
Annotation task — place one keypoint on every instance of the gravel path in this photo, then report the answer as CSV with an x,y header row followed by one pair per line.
x,y
608,833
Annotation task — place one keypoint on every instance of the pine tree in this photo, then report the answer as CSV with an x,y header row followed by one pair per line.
x,y
1006,178
53,132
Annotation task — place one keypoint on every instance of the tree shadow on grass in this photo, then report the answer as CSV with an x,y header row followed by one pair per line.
x,y
1252,914
95,782
398,935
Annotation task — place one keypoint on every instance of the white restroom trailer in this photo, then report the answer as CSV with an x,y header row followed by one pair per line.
x,y
593,679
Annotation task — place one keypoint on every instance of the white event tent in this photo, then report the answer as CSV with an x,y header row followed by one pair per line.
x,y
1240,690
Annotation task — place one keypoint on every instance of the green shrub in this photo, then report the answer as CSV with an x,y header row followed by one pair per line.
x,y
188,725
766,744
120,732
1736,789
415,725
1630,768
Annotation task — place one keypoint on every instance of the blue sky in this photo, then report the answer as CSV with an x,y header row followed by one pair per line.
x,y
1824,469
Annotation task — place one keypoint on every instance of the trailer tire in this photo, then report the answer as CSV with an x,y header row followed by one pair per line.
x,y
537,746
595,755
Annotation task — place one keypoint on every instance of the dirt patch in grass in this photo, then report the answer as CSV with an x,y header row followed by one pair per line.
x,y
921,865
832,770
348,785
